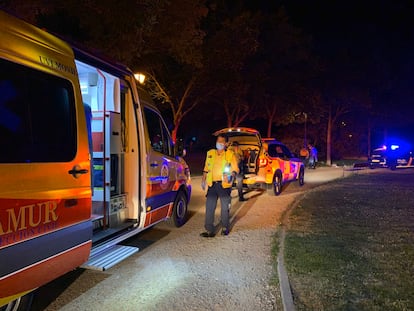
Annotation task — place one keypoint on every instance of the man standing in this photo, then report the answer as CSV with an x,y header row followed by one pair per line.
x,y
313,156
220,168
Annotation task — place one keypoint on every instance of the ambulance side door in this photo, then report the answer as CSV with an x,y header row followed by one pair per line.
x,y
161,165
283,161
291,167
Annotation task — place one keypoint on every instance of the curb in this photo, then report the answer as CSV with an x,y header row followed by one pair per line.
x,y
285,291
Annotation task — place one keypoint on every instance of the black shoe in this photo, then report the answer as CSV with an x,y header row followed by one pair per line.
x,y
242,199
225,231
207,234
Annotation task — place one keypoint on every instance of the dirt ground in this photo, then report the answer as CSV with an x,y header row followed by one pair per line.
x,y
176,269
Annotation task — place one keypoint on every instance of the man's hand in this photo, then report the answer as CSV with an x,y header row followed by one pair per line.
x,y
203,184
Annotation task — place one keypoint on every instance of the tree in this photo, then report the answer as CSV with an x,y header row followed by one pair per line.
x,y
341,95
173,60
280,70
228,46
160,37
180,107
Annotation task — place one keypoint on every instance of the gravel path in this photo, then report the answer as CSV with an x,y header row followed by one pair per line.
x,y
179,270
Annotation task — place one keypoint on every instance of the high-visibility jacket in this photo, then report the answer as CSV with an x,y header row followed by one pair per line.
x,y
229,161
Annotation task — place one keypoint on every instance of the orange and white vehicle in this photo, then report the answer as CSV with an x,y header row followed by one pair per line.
x,y
267,163
86,161
279,166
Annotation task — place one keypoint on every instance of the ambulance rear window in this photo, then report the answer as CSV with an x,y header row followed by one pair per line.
x,y
37,116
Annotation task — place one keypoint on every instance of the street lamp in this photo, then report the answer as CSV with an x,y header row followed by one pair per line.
x,y
140,77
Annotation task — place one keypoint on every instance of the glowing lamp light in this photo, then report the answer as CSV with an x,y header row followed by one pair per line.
x,y
140,77
394,147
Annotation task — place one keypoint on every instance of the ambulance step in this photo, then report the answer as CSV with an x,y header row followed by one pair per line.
x,y
104,259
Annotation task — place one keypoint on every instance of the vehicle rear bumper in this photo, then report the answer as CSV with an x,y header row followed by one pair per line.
x,y
254,182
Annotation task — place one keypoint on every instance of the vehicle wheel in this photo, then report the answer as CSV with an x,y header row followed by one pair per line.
x,y
301,177
276,186
179,213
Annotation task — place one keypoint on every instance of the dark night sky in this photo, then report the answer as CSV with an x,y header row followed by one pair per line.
x,y
377,32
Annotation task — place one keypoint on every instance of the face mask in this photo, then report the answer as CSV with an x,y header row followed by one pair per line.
x,y
219,146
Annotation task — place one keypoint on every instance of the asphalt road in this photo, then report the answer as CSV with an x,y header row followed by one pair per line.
x,y
83,289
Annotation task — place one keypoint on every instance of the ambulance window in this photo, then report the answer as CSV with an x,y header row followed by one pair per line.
x,y
37,116
158,133
275,151
286,152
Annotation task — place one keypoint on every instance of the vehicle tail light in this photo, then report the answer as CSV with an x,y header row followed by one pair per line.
x,y
263,162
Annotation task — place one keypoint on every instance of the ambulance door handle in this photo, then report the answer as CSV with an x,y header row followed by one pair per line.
x,y
76,171
154,164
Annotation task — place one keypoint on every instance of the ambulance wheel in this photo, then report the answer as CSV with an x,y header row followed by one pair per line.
x,y
276,185
179,213
301,178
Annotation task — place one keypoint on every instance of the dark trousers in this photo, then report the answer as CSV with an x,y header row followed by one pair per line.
x,y
239,180
213,193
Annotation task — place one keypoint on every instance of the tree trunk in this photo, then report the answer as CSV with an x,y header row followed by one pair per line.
x,y
271,116
329,139
269,127
174,133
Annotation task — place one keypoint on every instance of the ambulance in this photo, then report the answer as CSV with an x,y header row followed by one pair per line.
x,y
86,162
266,163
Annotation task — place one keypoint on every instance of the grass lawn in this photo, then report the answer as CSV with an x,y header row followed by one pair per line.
x,y
350,244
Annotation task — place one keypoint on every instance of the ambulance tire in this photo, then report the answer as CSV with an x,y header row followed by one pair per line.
x,y
301,177
180,209
277,184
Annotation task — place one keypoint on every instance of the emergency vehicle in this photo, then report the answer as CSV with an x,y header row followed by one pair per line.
x,y
86,161
394,156
280,166
267,163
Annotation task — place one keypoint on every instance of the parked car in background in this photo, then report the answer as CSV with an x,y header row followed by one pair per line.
x,y
399,157
378,157
281,166
393,156
267,163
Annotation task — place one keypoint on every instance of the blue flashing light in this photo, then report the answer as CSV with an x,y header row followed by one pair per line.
x,y
394,147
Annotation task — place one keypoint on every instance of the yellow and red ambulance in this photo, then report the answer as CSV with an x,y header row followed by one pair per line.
x,y
86,161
